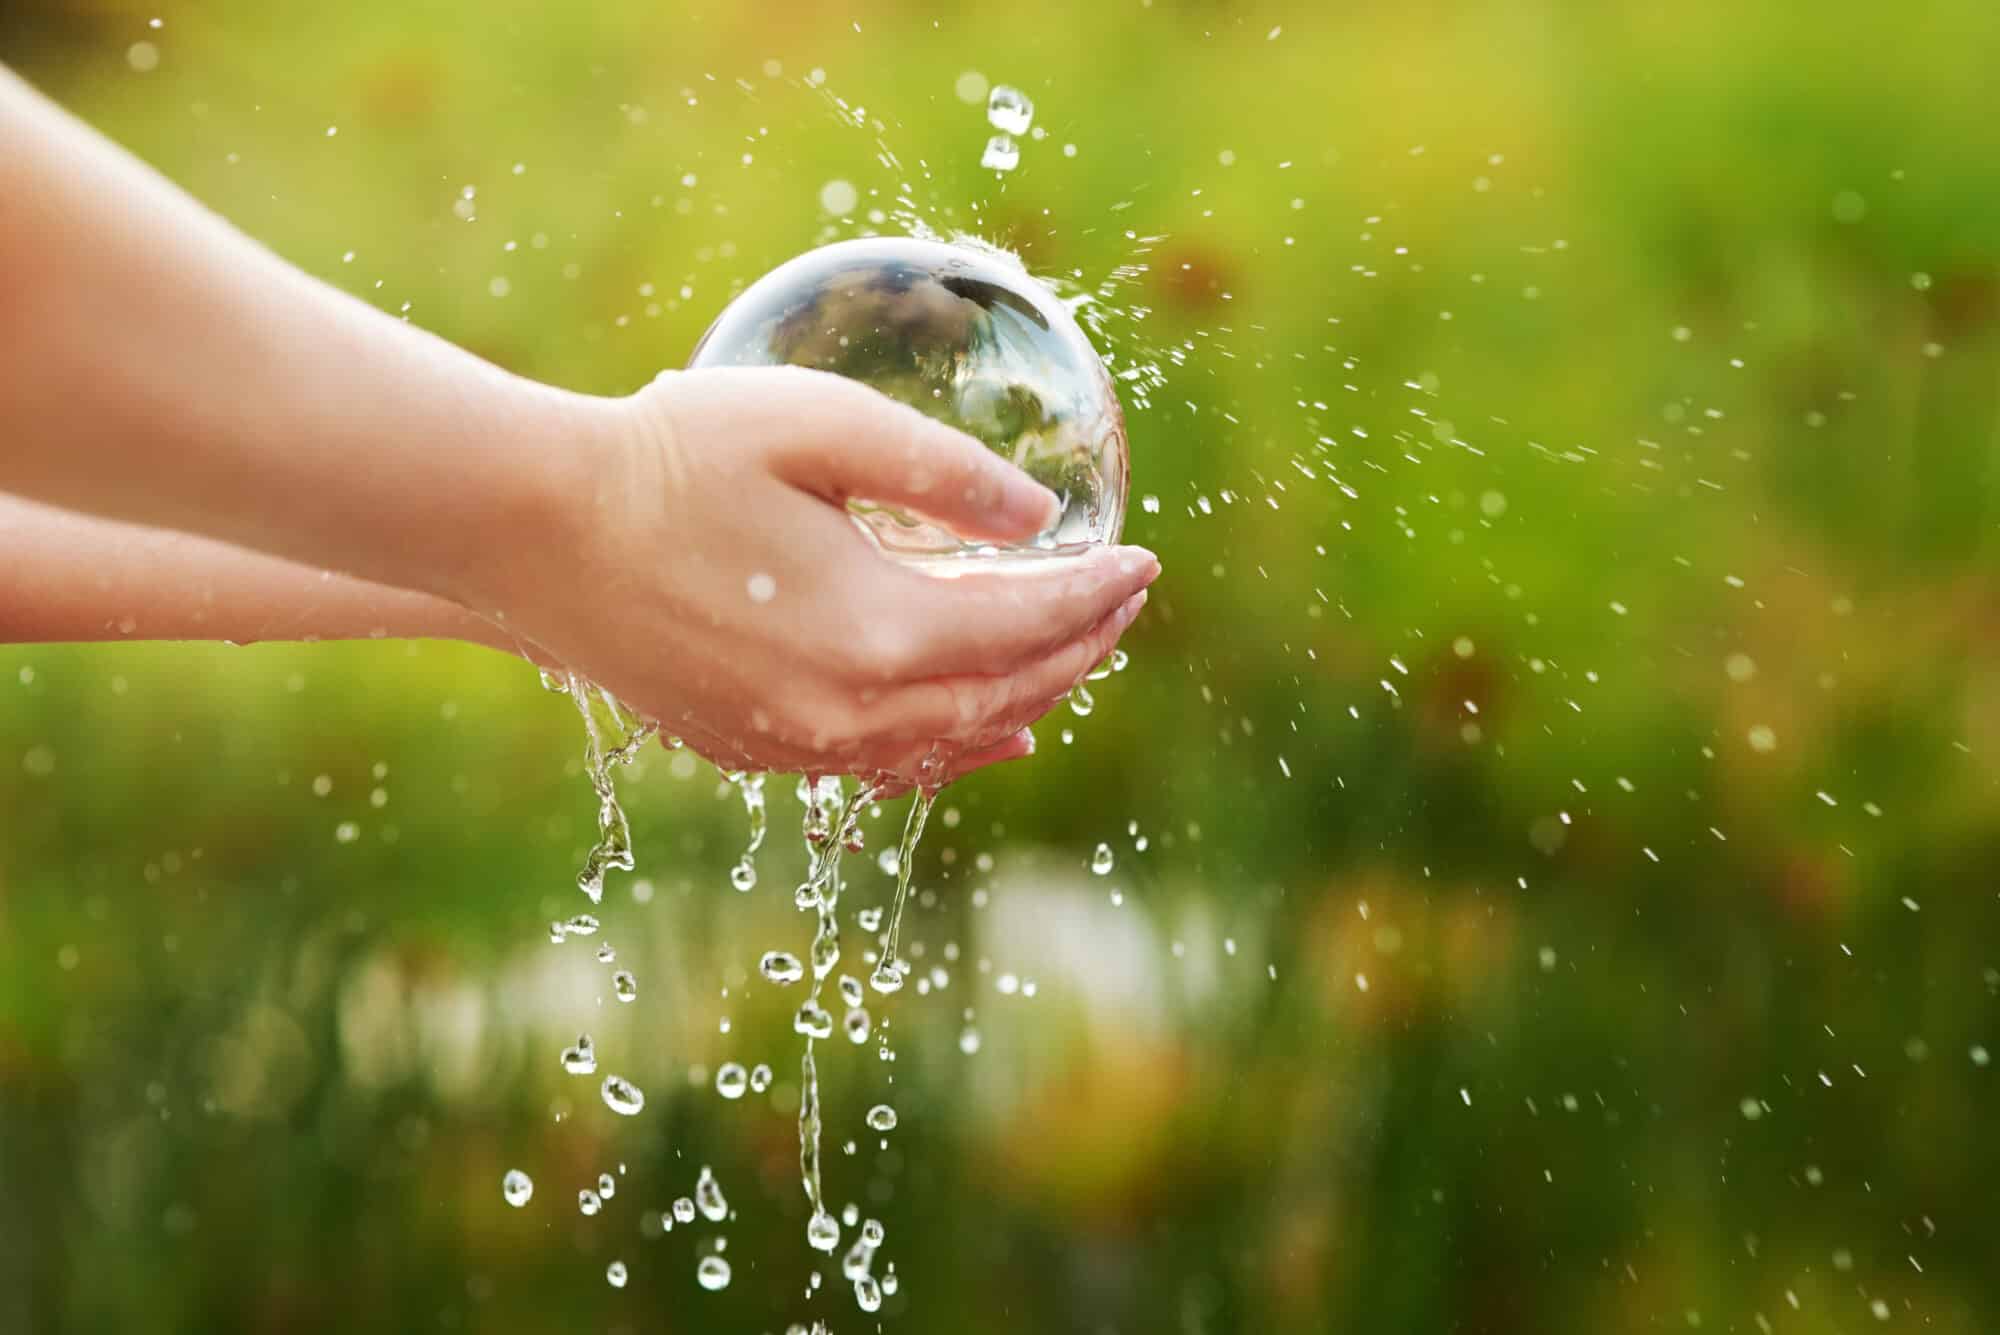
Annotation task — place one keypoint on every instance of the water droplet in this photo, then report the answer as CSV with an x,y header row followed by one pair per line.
x,y
517,1187
760,1078
869,920
624,986
1009,110
588,1201
968,1040
708,1197
1002,154
857,1024
813,1020
684,1210
557,933
823,1231
890,1283
712,1273
607,1185
886,978
1102,860
1081,701
581,925
730,1080
872,1233
781,966
867,1293
744,876
622,1096
580,1058
605,954
850,990
882,1117
615,1273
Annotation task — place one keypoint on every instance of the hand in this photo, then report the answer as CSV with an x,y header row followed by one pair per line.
x,y
720,587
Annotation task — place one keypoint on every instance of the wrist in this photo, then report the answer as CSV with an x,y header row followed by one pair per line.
x,y
554,488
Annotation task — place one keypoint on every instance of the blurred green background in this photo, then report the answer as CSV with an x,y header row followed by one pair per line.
x,y
1555,797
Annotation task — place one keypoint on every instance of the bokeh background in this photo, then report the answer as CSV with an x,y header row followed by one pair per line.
x,y
1554,799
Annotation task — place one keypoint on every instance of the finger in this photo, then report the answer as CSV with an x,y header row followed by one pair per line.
x,y
976,710
989,618
870,447
1018,746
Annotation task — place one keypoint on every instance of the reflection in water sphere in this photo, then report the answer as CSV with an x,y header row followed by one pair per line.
x,y
963,333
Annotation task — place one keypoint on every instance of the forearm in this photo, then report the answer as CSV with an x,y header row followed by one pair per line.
x,y
161,368
73,577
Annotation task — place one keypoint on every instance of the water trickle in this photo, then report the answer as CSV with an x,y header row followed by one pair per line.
x,y
517,1188
1009,110
615,1274
823,1231
743,875
624,986
831,817
708,1197
731,1080
712,1273
813,1020
614,835
781,966
887,977
882,1117
588,1201
580,1058
622,1096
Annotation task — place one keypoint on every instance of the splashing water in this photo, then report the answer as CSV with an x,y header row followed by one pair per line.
x,y
832,825
888,976
708,1197
580,1058
622,1096
743,875
614,835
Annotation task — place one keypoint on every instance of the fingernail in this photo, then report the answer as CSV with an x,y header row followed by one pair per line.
x,y
1027,742
1134,560
1130,612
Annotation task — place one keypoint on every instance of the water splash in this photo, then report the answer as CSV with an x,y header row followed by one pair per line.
x,y
888,976
831,825
614,834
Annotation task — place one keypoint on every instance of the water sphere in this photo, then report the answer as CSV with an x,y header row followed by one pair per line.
x,y
963,333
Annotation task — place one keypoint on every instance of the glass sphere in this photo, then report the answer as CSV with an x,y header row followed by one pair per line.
x,y
963,333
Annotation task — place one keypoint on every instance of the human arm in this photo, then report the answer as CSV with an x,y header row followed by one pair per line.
x,y
163,370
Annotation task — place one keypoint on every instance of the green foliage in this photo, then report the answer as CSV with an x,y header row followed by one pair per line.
x,y
1558,398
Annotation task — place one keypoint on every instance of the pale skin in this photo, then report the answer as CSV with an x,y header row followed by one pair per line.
x,y
198,441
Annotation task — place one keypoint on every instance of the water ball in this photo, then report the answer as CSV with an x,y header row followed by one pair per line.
x,y
962,332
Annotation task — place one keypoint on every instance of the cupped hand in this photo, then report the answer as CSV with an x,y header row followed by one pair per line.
x,y
717,583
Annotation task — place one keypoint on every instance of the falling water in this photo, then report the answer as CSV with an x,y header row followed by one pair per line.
x,y
888,975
